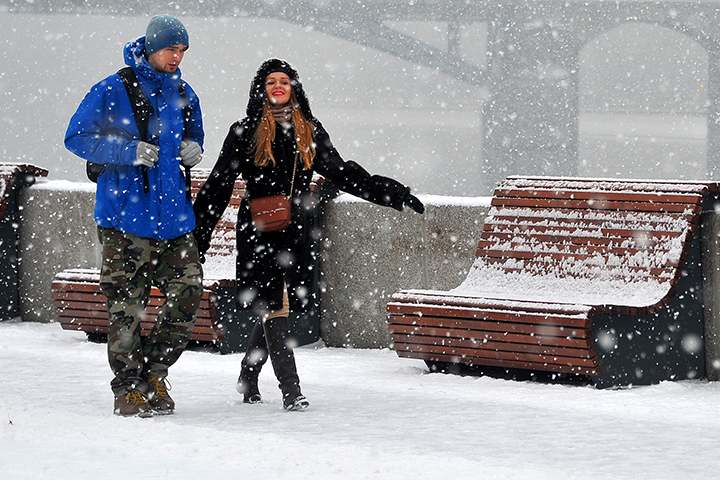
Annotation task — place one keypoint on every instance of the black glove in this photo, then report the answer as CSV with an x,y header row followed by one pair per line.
x,y
413,202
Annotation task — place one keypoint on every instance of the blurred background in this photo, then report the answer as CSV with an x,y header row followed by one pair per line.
x,y
447,97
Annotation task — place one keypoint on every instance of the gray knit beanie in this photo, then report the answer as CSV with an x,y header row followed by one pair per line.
x,y
164,31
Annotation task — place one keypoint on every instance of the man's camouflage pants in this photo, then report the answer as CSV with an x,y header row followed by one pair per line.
x,y
131,265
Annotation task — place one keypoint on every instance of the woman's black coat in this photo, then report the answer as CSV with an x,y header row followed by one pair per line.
x,y
264,258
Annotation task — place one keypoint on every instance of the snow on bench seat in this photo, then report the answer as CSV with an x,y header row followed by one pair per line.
x,y
553,255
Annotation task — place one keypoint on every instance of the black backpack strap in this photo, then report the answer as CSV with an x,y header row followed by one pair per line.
x,y
140,106
141,110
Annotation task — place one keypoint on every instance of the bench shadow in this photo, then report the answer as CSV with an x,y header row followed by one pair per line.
x,y
509,374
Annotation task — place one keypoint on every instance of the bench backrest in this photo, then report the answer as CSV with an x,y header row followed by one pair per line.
x,y
593,242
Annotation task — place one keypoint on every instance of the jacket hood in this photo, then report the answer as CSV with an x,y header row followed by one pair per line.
x,y
257,90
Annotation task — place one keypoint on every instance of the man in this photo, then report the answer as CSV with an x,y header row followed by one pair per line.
x,y
145,219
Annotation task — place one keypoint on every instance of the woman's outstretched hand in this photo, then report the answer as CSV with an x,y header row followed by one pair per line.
x,y
413,202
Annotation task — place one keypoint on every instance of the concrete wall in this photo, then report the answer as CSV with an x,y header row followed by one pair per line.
x,y
370,252
57,232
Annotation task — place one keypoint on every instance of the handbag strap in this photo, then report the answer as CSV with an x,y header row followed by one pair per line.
x,y
292,182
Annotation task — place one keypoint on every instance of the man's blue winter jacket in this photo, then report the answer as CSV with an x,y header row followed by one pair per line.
x,y
103,130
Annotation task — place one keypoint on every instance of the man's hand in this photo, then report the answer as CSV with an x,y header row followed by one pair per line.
x,y
147,154
190,153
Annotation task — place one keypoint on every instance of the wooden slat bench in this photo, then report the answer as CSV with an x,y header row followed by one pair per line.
x,y
80,305
573,278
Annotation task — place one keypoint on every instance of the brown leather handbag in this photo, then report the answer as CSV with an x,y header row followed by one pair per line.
x,y
272,214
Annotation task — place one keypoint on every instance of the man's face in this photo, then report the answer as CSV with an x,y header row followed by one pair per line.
x,y
168,59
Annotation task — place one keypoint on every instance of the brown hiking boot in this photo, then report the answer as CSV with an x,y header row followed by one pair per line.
x,y
133,404
160,401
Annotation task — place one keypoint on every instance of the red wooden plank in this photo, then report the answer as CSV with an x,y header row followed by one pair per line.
x,y
611,184
540,267
82,313
465,353
615,196
659,224
548,259
526,236
96,301
585,232
201,332
520,334
493,345
408,313
437,357
626,227
571,248
594,205
422,298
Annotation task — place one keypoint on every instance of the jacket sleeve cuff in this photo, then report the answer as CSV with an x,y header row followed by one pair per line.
x,y
129,154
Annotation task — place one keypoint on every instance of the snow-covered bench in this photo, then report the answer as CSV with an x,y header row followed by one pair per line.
x,y
80,305
595,280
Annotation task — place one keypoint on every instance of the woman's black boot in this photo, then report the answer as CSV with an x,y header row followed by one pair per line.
x,y
277,334
255,357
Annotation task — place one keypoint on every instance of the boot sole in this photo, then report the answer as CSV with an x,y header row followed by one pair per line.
x,y
142,414
298,407
163,412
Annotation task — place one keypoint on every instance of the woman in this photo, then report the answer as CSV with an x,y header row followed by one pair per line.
x,y
276,148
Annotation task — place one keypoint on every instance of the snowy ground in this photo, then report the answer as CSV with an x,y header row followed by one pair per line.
x,y
372,415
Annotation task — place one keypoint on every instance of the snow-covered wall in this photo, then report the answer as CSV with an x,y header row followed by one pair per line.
x,y
372,252
57,231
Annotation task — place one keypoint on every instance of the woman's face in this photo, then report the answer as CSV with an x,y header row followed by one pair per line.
x,y
278,88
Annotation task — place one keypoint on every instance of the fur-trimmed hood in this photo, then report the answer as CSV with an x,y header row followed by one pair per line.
x,y
257,90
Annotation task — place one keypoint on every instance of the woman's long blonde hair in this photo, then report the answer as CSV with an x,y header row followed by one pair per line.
x,y
265,135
